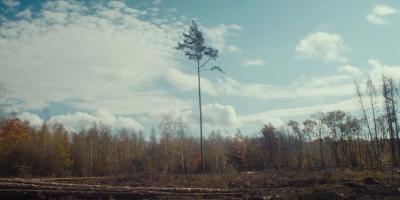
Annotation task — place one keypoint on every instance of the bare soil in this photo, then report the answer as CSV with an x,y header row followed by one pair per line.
x,y
327,184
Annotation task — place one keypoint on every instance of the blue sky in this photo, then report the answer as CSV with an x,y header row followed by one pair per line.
x,y
113,61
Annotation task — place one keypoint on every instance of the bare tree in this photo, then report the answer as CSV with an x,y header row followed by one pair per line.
x,y
352,128
387,92
318,119
193,45
360,98
299,144
334,121
309,129
372,93
393,91
182,129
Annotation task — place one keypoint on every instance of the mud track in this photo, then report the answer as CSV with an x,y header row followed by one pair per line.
x,y
48,189
239,186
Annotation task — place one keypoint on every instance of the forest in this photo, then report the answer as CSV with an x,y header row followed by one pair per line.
x,y
368,139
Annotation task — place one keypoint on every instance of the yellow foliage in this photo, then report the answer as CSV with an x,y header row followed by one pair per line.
x,y
14,131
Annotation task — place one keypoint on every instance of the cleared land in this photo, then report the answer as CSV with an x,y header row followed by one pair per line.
x,y
246,185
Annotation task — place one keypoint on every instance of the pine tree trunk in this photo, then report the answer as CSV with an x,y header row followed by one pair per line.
x,y
201,120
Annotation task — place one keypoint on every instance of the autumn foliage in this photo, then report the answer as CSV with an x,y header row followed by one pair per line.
x,y
325,140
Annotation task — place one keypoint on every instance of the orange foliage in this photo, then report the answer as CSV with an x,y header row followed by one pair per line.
x,y
13,132
238,149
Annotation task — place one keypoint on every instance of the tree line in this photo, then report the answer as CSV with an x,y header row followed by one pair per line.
x,y
368,139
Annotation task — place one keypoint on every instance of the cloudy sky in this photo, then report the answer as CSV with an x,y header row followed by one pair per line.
x,y
113,62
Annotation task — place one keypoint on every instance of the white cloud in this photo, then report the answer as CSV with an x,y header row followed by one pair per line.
x,y
25,14
188,82
120,102
349,69
117,4
88,60
157,2
95,56
218,35
215,115
82,120
220,115
325,86
378,69
321,45
65,6
350,105
260,119
33,119
154,10
379,13
172,10
233,48
11,3
255,62
54,17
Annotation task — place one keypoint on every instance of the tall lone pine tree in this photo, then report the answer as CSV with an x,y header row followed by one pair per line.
x,y
193,45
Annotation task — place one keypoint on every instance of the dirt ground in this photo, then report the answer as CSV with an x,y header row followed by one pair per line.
x,y
327,184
